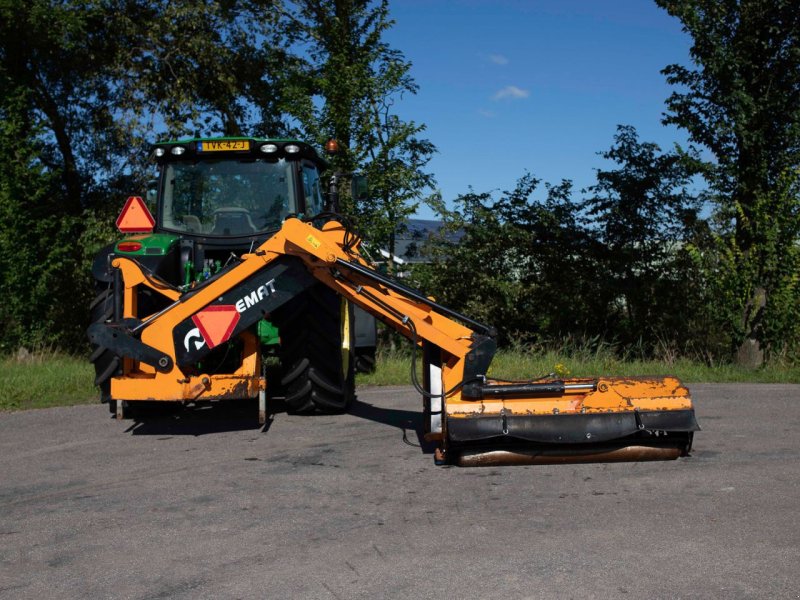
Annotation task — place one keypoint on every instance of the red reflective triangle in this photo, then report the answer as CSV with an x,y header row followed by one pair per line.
x,y
135,218
216,323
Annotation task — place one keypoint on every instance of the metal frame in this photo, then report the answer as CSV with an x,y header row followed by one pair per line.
x,y
573,411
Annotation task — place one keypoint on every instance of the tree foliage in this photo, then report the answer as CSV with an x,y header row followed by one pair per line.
x,y
521,263
59,145
639,257
741,100
203,67
55,66
88,85
616,265
642,214
347,88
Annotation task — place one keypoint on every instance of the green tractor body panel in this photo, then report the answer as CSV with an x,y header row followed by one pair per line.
x,y
268,333
150,244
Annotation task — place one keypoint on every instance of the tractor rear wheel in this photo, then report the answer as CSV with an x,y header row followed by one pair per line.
x,y
106,363
316,352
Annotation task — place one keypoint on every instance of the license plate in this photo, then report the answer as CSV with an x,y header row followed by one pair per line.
x,y
224,146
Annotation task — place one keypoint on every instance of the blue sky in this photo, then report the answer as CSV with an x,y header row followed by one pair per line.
x,y
512,86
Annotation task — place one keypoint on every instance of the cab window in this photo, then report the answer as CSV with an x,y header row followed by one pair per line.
x,y
312,188
227,197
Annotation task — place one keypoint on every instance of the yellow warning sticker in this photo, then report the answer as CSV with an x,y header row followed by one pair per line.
x,y
313,241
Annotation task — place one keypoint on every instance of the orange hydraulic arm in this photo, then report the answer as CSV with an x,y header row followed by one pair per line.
x,y
464,409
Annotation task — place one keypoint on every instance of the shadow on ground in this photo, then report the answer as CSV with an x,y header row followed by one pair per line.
x,y
241,416
406,420
197,420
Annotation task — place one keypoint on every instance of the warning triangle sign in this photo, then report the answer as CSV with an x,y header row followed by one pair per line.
x,y
216,323
135,218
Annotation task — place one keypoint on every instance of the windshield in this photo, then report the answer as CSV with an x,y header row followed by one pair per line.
x,y
227,197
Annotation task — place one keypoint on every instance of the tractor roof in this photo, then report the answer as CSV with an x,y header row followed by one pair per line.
x,y
215,148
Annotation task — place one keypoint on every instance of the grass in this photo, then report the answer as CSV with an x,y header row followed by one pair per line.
x,y
394,368
48,378
515,365
45,379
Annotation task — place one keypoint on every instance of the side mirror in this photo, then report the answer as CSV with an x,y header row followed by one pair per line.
x,y
152,193
359,189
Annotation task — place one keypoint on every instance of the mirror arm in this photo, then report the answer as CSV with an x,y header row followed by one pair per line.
x,y
333,193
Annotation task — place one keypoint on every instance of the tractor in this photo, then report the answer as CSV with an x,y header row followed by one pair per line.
x,y
214,200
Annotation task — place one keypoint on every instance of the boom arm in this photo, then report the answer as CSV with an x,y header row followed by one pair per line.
x,y
463,407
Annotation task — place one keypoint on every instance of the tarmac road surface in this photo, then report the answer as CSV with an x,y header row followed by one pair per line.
x,y
209,506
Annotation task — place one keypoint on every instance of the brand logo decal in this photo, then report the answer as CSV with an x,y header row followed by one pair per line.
x,y
216,323
194,334
256,296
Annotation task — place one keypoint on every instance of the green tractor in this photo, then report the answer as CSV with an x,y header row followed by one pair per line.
x,y
214,200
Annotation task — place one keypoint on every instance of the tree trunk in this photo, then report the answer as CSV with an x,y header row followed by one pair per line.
x,y
750,353
70,176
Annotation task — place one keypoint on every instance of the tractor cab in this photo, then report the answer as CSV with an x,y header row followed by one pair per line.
x,y
227,188
215,198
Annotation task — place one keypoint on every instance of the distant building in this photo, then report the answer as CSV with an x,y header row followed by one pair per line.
x,y
411,240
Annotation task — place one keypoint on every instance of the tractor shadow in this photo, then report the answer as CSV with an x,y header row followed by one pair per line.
x,y
242,416
199,420
404,420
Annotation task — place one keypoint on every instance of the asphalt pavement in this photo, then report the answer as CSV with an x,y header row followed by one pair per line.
x,y
207,505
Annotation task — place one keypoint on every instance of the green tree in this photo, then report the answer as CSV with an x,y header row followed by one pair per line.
x,y
61,148
741,100
55,62
346,87
644,218
527,260
33,243
203,67
87,86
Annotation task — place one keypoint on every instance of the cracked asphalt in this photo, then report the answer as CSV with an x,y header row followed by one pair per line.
x,y
207,505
